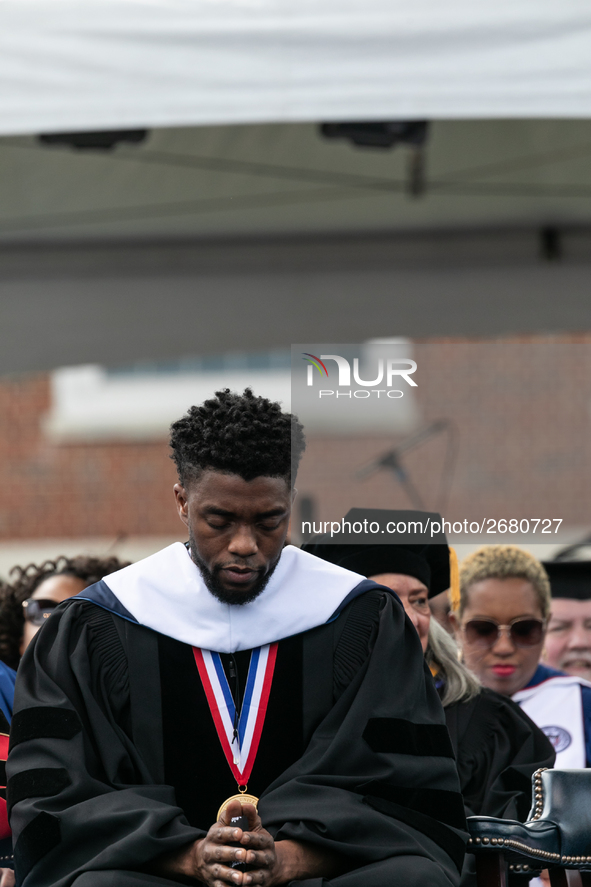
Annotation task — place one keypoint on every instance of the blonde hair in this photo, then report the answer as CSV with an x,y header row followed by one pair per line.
x,y
504,562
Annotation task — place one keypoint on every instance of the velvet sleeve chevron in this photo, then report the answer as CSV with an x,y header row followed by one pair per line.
x,y
376,781
81,796
356,639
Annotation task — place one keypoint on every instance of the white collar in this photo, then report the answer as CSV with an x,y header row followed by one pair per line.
x,y
551,683
166,592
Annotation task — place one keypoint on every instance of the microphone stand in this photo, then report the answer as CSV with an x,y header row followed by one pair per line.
x,y
391,461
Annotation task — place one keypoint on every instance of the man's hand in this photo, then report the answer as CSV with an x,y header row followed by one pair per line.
x,y
209,860
213,855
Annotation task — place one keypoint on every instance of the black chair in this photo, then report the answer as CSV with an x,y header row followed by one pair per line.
x,y
556,835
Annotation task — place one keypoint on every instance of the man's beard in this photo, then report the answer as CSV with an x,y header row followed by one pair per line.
x,y
218,591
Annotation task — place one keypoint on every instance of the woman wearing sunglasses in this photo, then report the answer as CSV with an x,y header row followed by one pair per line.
x,y
36,590
25,606
501,623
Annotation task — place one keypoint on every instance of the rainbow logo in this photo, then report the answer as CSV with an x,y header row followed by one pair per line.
x,y
315,361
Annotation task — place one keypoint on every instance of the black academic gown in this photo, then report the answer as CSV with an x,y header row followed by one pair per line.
x,y
498,748
102,754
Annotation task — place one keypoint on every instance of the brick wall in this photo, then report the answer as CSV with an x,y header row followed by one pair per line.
x,y
521,418
522,424
83,490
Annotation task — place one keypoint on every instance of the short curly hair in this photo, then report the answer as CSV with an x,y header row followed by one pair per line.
x,y
504,562
27,580
237,434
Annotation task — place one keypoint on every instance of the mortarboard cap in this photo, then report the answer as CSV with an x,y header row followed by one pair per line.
x,y
570,579
429,562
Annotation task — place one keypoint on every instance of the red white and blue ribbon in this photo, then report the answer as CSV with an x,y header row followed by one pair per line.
x,y
240,749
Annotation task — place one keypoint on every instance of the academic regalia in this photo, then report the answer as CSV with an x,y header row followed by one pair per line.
x,y
498,748
115,760
560,704
569,579
433,564
7,681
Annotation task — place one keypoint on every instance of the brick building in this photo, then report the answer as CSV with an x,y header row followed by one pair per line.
x,y
507,435
513,442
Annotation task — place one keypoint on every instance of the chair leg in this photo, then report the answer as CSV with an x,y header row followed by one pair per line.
x,y
491,870
559,877
569,878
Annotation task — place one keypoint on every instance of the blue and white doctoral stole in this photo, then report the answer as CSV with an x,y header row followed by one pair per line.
x,y
556,706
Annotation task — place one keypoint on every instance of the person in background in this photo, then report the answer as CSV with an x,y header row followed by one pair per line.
x,y
501,619
7,681
34,593
568,639
497,746
7,669
6,857
25,604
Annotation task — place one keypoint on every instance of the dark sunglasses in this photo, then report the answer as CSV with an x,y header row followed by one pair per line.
x,y
37,611
486,632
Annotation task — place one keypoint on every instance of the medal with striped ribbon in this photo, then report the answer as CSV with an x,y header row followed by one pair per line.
x,y
239,735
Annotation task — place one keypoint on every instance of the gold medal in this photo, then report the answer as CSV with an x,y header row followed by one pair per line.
x,y
243,797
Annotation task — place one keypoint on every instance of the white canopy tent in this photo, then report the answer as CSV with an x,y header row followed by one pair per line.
x,y
69,65
237,217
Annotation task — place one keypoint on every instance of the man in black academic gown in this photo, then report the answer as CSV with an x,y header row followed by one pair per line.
x,y
233,663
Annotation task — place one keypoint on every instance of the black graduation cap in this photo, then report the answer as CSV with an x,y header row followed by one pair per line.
x,y
570,579
427,562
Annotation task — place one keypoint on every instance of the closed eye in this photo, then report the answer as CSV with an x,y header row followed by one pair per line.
x,y
218,525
